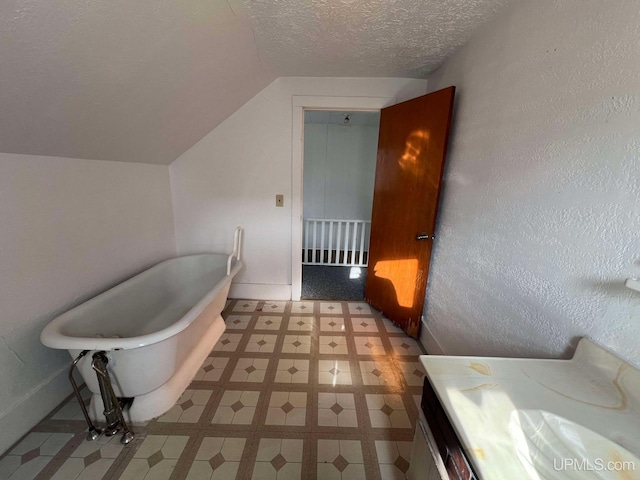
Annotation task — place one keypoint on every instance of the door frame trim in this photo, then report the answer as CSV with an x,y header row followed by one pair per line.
x,y
300,103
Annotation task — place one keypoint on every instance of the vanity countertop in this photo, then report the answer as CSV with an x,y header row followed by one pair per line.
x,y
522,418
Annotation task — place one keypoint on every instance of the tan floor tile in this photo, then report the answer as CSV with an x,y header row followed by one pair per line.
x,y
230,448
151,445
71,409
250,370
390,327
333,345
287,408
237,322
393,458
364,325
300,324
201,470
351,450
30,469
109,447
332,324
189,407
236,407
261,343
140,470
412,372
296,344
387,411
228,342
327,471
274,307
245,306
156,458
78,468
377,372
334,372
328,450
278,459
212,369
354,472
405,346
340,459
336,410
369,346
302,307
359,308
217,458
32,454
48,443
330,308
9,464
270,322
292,371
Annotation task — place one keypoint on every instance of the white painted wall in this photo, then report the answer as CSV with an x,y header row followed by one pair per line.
x,y
231,178
339,170
540,218
70,229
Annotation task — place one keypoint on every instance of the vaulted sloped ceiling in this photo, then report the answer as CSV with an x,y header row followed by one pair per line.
x,y
144,80
127,80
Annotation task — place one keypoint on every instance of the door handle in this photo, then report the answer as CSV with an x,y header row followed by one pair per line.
x,y
425,236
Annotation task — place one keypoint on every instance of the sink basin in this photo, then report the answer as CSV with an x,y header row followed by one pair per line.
x,y
552,447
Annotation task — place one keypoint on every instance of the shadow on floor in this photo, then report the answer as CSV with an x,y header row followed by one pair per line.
x,y
333,283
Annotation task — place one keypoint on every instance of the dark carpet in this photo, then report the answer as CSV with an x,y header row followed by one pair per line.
x,y
332,283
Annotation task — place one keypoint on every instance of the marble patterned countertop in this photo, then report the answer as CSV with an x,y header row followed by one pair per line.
x,y
543,419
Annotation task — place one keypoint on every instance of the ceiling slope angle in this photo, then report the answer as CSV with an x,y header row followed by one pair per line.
x,y
136,81
364,38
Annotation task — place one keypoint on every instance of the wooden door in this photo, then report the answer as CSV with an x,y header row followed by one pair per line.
x,y
411,151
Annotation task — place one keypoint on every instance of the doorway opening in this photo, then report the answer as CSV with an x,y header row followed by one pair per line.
x,y
339,159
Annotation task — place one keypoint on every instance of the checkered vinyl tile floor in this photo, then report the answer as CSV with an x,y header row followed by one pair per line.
x,y
293,390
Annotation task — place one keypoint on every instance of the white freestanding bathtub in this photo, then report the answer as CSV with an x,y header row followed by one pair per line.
x,y
157,328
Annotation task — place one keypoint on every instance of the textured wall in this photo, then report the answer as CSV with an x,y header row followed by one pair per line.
x,y
231,178
70,228
540,218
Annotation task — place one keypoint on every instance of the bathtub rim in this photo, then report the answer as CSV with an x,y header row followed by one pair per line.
x,y
52,336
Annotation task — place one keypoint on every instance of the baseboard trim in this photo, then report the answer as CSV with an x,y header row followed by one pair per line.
x,y
429,342
260,291
32,408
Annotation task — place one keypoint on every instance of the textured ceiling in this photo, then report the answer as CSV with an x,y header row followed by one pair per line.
x,y
369,38
144,80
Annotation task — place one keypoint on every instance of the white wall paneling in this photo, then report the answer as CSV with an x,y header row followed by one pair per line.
x,y
339,170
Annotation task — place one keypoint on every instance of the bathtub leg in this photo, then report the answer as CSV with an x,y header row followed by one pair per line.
x,y
93,433
112,410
